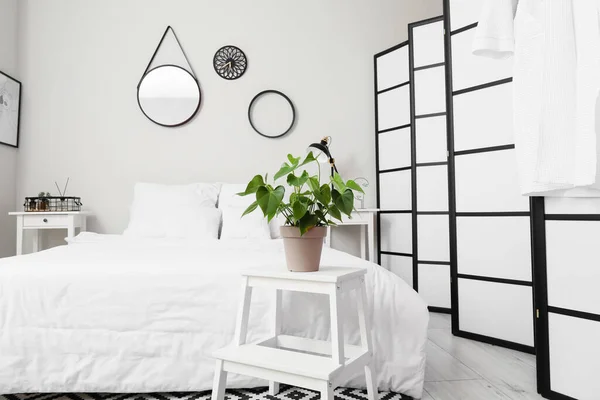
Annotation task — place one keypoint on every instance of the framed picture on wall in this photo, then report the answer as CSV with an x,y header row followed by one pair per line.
x,y
10,108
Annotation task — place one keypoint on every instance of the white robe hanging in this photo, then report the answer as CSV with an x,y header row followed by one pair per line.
x,y
556,82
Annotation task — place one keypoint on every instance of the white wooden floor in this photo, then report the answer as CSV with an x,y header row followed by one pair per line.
x,y
462,369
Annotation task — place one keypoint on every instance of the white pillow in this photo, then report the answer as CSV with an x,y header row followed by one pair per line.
x,y
251,226
159,210
193,223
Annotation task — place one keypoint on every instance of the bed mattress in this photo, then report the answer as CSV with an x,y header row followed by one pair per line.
x,y
113,314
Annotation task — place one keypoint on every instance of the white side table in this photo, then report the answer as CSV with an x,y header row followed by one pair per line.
x,y
277,358
37,220
365,218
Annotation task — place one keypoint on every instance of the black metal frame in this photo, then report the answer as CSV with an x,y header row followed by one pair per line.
x,y
378,171
16,146
483,85
452,154
52,204
440,310
541,294
191,72
413,158
271,92
415,165
451,169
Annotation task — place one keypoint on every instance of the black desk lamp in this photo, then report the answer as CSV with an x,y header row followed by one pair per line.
x,y
322,148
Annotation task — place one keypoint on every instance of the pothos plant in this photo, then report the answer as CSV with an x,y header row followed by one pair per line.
x,y
310,203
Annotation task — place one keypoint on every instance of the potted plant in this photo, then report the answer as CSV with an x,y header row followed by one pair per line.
x,y
309,209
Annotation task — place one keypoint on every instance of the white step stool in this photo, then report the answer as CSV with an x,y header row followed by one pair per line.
x,y
275,360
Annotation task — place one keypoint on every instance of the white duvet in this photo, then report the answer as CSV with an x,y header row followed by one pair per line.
x,y
111,314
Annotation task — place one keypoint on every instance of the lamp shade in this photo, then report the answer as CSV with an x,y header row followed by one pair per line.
x,y
321,152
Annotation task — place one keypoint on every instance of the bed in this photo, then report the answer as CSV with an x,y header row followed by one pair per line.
x,y
112,313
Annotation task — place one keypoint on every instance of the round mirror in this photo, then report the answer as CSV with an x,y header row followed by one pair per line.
x,y
169,95
273,116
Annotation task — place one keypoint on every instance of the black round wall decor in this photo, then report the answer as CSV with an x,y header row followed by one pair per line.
x,y
253,102
230,62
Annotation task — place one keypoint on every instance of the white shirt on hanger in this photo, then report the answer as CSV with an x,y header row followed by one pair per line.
x,y
556,82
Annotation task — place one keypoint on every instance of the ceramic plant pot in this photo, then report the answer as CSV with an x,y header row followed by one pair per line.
x,y
303,253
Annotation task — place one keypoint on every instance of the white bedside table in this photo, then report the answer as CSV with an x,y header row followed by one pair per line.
x,y
366,218
36,220
277,358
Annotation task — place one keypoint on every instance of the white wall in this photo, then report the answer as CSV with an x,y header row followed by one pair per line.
x,y
81,61
8,155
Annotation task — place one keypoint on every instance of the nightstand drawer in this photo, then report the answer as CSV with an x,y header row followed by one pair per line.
x,y
41,221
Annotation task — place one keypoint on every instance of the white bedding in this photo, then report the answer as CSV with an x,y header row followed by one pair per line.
x,y
116,314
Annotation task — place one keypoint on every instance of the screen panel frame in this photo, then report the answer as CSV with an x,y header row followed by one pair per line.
x,y
416,212
452,154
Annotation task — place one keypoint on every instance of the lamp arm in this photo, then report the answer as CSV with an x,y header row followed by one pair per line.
x,y
333,166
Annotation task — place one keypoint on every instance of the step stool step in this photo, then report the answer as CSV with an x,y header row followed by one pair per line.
x,y
290,362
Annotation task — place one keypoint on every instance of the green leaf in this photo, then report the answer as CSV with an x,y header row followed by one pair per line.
x,y
335,212
326,194
293,160
307,222
287,168
338,182
269,200
250,208
293,180
253,186
322,197
308,159
284,170
345,202
299,209
354,186
335,195
321,217
314,184
307,201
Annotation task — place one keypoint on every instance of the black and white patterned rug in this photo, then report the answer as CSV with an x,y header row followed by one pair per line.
x,y
261,393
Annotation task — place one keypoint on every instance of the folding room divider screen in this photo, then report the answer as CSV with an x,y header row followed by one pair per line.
x,y
466,204
393,142
412,162
431,242
453,223
491,225
567,234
